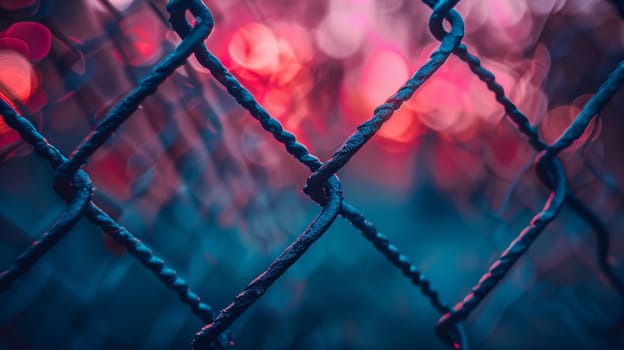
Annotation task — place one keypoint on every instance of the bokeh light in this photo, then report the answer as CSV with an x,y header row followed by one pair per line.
x,y
17,76
255,47
121,4
143,35
382,75
343,30
36,35
448,177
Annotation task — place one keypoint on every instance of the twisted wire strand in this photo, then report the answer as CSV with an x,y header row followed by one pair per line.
x,y
77,200
392,253
246,99
83,206
148,86
385,111
507,259
595,104
547,166
75,208
74,185
300,152
602,251
591,109
205,338
525,127
80,201
144,254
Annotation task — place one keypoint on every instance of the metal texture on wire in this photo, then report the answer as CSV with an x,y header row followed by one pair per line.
x,y
74,186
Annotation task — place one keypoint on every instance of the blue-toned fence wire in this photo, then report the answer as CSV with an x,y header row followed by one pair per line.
x,y
301,153
95,215
74,186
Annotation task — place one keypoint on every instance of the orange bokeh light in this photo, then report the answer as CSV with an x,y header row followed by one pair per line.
x,y
561,117
454,102
275,57
382,75
270,62
17,76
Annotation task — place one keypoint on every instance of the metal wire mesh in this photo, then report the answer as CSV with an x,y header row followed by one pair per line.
x,y
74,186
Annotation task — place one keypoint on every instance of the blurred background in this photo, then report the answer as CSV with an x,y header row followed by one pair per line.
x,y
448,179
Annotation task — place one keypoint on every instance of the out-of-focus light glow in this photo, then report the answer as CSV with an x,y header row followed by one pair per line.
x,y
145,34
505,152
17,76
277,102
441,103
341,33
382,75
255,47
506,13
337,39
121,4
557,120
289,64
116,179
270,61
146,47
15,45
453,102
507,22
297,37
143,47
560,117
19,44
35,35
454,169
272,53
456,103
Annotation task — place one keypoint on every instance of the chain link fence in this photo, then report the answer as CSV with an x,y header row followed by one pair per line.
x,y
73,184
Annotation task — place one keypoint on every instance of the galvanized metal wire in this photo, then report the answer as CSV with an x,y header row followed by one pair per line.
x,y
74,186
